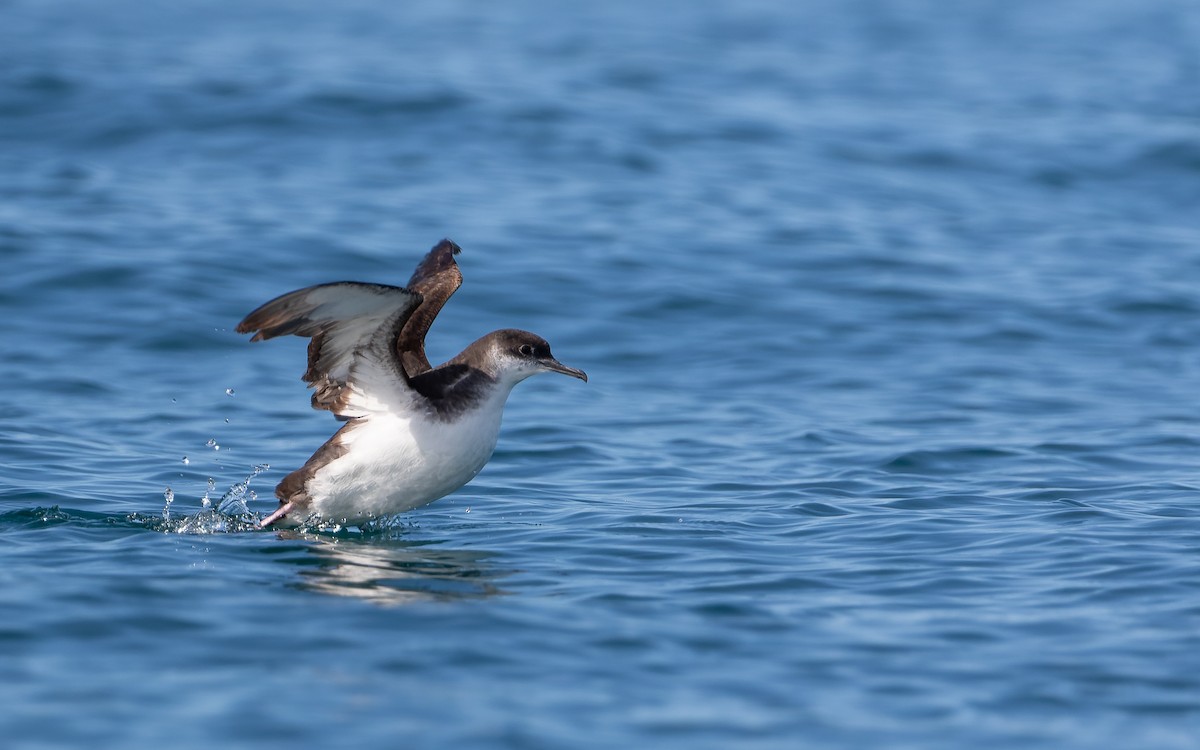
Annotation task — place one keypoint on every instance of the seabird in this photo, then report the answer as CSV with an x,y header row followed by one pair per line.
x,y
413,433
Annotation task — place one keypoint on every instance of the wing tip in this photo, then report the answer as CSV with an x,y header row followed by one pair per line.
x,y
262,329
249,326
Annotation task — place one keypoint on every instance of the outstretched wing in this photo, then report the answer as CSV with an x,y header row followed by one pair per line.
x,y
353,363
436,278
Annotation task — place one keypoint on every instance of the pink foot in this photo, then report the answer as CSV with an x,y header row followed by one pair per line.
x,y
278,514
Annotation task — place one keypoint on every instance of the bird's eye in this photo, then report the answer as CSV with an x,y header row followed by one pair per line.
x,y
525,350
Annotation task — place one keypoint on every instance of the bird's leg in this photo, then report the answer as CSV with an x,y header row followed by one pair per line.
x,y
278,514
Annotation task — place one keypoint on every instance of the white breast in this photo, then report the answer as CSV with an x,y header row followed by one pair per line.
x,y
397,463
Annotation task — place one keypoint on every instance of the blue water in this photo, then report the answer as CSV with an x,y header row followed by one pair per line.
x,y
892,319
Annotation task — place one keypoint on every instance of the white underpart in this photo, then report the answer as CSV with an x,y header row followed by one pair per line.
x,y
399,459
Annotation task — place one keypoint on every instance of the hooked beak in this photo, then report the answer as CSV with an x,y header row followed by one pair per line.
x,y
553,365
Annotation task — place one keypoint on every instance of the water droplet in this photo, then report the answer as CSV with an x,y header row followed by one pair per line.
x,y
228,391
173,401
186,461
226,420
168,498
212,443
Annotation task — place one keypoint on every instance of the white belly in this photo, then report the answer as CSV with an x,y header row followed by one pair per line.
x,y
395,464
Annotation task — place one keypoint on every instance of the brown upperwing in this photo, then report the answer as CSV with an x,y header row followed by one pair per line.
x,y
437,278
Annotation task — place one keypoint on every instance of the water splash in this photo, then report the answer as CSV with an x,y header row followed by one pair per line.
x,y
225,515
230,513
233,502
206,501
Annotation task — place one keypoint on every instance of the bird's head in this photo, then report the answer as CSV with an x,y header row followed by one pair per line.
x,y
520,354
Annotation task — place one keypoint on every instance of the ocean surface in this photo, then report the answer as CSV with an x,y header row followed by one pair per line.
x,y
892,317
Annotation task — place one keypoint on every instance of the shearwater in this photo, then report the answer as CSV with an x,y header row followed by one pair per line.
x,y
413,433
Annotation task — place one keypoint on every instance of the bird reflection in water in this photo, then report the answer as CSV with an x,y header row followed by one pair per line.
x,y
391,572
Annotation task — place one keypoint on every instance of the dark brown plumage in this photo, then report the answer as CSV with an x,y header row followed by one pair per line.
x,y
367,365
436,278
